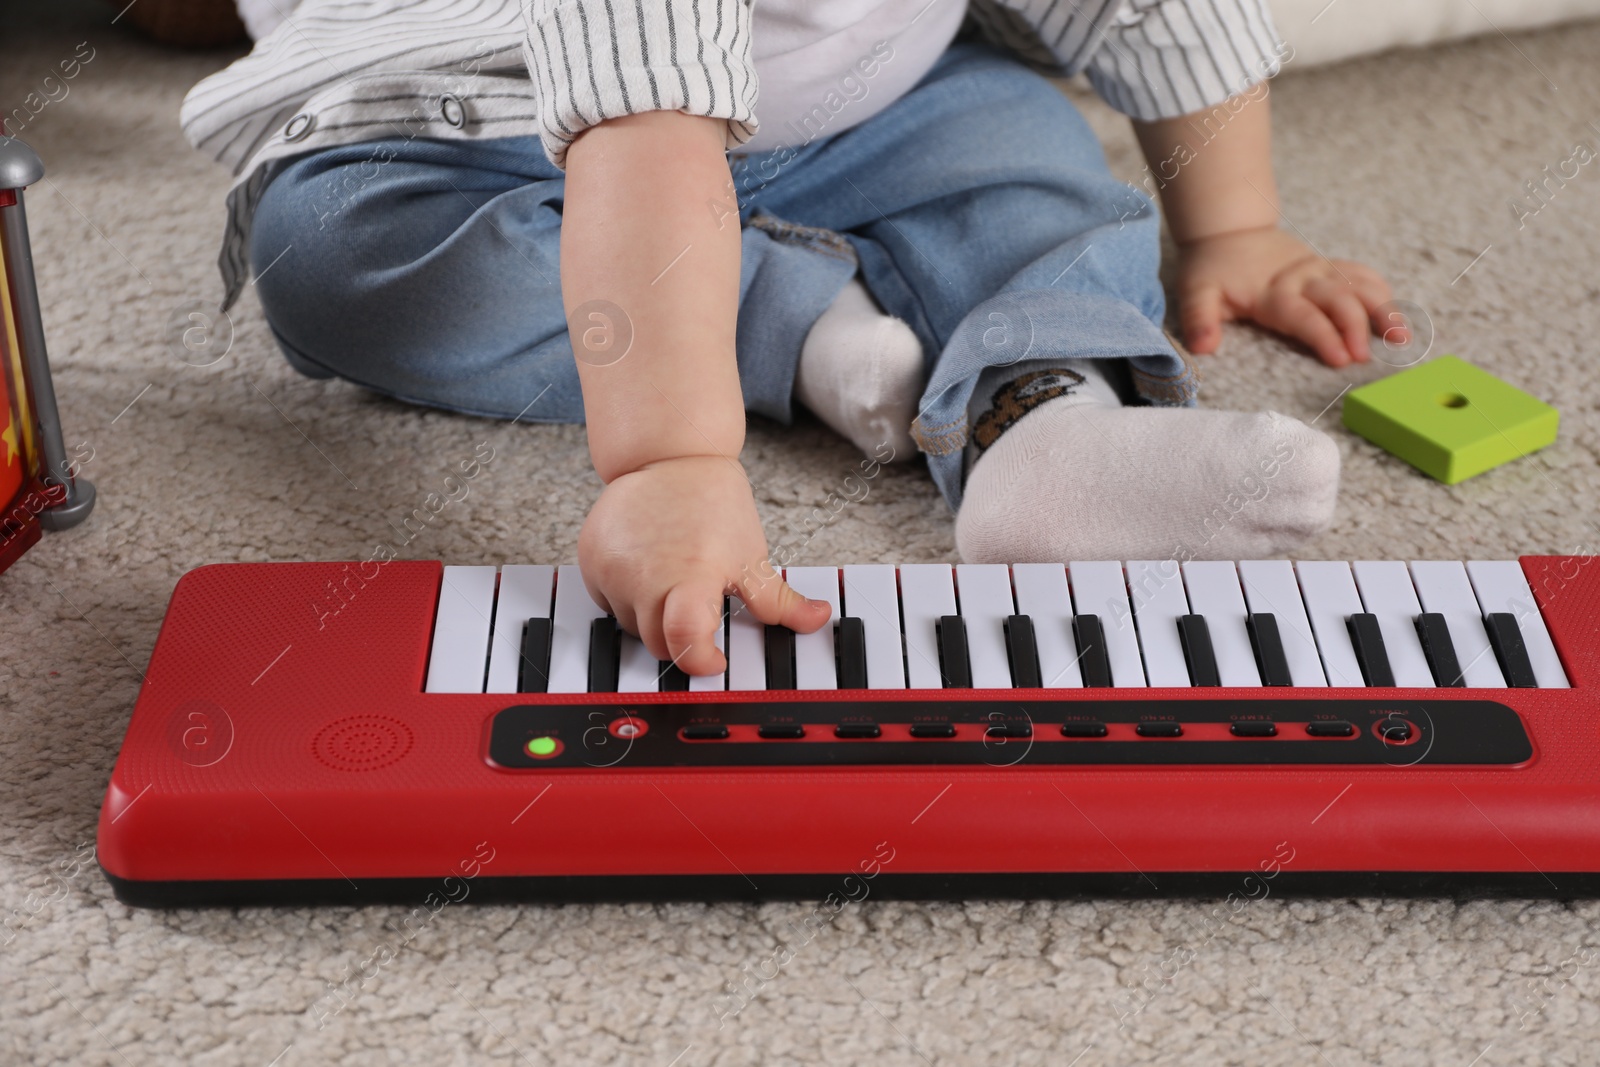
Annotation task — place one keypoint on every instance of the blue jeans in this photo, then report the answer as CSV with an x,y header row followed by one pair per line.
x,y
977,208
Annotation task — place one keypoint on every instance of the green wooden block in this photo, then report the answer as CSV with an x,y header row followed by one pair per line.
x,y
1449,419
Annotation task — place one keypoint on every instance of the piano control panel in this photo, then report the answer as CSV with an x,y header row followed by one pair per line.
x,y
1006,733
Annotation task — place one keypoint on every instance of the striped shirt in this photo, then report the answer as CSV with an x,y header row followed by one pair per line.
x,y
340,71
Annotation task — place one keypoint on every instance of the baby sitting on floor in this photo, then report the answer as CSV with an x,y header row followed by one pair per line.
x,y
567,210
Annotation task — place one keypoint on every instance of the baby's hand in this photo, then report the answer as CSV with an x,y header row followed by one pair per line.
x,y
662,546
1273,278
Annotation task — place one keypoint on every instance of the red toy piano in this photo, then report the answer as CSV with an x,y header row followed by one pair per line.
x,y
386,730
38,487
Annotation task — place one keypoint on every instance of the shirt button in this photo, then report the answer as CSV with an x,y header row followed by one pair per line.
x,y
299,126
452,110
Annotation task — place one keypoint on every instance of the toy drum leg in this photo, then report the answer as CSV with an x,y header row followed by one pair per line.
x,y
32,437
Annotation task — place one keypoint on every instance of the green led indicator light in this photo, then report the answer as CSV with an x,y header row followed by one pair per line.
x,y
542,746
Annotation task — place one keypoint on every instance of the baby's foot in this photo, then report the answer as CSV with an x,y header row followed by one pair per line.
x,y
1075,478
861,373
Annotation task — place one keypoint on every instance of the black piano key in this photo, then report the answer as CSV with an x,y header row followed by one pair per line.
x,y
1093,661
1023,652
850,652
533,671
1367,638
1505,637
1197,650
955,668
673,679
605,654
1268,644
1440,650
780,657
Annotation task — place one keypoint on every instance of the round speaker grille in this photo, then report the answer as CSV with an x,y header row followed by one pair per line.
x,y
362,742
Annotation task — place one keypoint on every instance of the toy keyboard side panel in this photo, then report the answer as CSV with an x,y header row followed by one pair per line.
x,y
249,658
1567,589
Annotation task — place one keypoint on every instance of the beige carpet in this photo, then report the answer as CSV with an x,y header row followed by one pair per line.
x,y
1407,161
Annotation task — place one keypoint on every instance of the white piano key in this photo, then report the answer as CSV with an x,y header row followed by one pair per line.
x,y
714,683
871,594
1443,586
1156,589
1501,585
638,671
814,663
460,650
1098,589
984,590
525,593
1042,596
747,650
1214,592
927,591
1386,592
1270,588
569,640
1331,598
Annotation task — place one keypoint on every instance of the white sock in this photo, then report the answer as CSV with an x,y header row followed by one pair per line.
x,y
861,373
1077,477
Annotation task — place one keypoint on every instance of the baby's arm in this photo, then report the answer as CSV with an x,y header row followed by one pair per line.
x,y
1221,204
650,229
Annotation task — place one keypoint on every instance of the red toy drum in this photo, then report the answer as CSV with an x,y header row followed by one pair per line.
x,y
38,490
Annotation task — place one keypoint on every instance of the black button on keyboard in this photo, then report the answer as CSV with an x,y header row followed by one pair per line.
x,y
1197,651
1329,728
1083,729
672,677
850,653
705,732
955,668
855,731
533,673
932,729
780,657
1267,642
1254,729
1023,650
1395,730
1009,729
1506,639
1367,638
1440,650
1092,657
782,731
605,654
1159,729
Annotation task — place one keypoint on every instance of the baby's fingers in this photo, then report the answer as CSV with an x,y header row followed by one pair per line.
x,y
1291,313
775,602
1202,311
1342,304
691,619
1390,321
